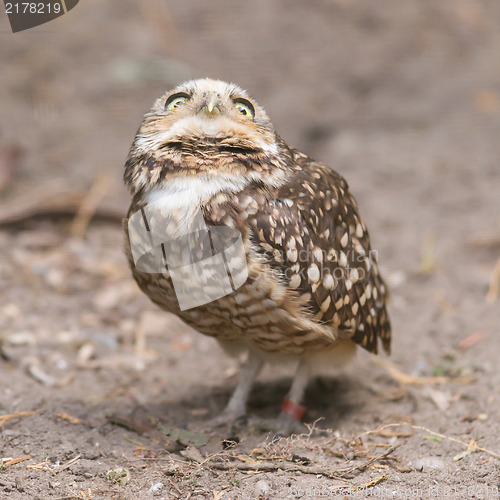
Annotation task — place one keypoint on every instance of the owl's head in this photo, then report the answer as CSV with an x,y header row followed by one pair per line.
x,y
202,126
206,109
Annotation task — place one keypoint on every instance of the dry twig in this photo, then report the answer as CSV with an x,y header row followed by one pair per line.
x,y
17,414
69,418
304,469
430,431
40,466
14,461
68,464
405,379
470,340
365,465
494,289
52,199
488,240
350,489
89,205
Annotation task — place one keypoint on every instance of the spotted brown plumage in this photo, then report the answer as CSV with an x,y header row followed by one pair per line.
x,y
322,248
313,289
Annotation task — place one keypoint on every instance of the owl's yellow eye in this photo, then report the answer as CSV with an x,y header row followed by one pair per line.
x,y
176,100
245,108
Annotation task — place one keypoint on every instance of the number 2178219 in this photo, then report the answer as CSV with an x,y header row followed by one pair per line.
x,y
32,8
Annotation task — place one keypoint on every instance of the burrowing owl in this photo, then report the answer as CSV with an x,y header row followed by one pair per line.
x,y
311,289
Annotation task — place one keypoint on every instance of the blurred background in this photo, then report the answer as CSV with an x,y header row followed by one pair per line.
x,y
401,98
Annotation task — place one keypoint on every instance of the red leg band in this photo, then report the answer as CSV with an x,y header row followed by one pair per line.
x,y
293,409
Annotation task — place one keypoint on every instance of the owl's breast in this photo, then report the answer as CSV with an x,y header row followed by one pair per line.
x,y
259,309
216,278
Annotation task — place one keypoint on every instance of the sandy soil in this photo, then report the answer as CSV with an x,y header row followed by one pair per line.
x,y
402,98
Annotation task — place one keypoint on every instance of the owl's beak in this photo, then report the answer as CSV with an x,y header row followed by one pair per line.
x,y
211,107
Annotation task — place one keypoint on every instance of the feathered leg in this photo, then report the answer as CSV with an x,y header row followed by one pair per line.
x,y
238,402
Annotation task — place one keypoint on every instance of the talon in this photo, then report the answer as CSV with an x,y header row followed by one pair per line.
x,y
237,425
289,424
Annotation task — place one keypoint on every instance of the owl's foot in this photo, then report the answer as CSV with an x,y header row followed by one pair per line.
x,y
283,426
290,419
234,426
227,418
236,407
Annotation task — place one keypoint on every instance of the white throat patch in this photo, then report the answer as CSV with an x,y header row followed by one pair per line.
x,y
191,192
179,201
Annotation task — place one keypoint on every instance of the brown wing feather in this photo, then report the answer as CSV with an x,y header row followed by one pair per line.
x,y
313,234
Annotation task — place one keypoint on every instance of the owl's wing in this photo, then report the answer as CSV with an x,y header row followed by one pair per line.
x,y
313,235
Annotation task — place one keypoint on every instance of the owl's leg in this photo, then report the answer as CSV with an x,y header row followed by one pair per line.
x,y
238,402
292,410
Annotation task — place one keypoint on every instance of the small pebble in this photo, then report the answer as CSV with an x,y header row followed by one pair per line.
x,y
156,487
11,311
61,364
262,489
55,278
21,338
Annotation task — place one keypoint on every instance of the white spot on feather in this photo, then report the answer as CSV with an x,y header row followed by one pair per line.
x,y
313,273
328,281
295,281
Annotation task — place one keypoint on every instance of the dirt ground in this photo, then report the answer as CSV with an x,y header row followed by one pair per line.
x,y
402,98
